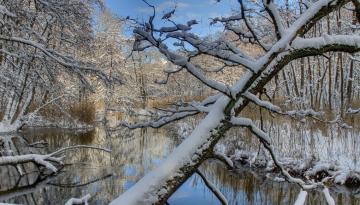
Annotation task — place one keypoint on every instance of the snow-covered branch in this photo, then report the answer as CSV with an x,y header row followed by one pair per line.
x,y
249,25
328,198
181,61
43,160
265,104
301,199
353,111
246,122
222,157
59,58
275,16
83,200
303,113
352,41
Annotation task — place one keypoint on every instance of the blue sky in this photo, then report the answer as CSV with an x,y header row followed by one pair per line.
x,y
201,10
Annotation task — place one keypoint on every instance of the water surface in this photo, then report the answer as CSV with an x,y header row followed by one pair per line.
x,y
105,176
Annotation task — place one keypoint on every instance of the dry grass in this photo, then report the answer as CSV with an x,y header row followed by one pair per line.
x,y
84,111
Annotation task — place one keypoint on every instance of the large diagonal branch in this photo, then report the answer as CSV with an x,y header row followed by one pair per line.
x,y
157,186
303,24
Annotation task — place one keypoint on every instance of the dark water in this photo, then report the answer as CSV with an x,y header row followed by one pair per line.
x,y
105,176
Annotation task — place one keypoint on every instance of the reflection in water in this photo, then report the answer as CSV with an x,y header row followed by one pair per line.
x,y
303,140
135,153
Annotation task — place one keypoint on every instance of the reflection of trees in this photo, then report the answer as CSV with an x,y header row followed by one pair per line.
x,y
301,140
25,182
22,190
246,187
131,151
89,170
77,184
21,193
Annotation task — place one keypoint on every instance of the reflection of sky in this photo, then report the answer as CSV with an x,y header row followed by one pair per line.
x,y
189,193
128,184
194,191
129,170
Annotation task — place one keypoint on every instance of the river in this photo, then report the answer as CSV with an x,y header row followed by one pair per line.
x,y
134,153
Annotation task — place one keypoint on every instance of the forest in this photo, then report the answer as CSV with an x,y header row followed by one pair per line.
x,y
250,102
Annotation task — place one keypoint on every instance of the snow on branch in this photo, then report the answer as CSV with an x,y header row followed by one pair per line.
x,y
303,113
301,199
236,17
157,186
306,48
353,111
83,200
328,197
275,16
246,122
43,160
179,60
223,49
326,40
59,58
222,157
265,104
249,25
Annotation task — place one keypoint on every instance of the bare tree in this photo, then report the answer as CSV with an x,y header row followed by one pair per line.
x,y
39,42
280,43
